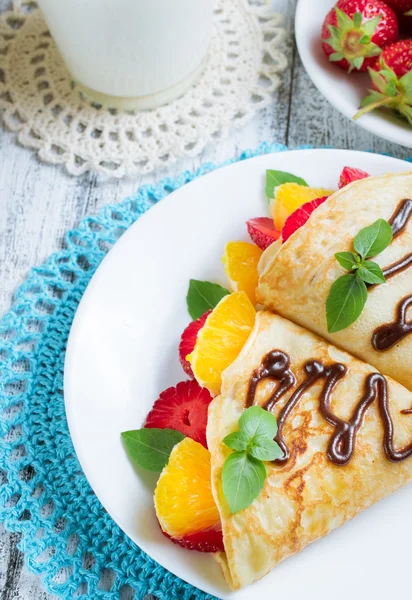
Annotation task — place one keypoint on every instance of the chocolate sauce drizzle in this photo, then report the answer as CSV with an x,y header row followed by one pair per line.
x,y
276,366
386,336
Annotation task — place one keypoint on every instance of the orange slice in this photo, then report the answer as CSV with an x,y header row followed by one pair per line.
x,y
241,261
221,339
183,497
289,197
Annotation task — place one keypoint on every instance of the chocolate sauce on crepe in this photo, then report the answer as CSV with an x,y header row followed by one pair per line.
x,y
276,366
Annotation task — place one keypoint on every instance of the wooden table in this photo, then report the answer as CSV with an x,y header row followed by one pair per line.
x,y
39,203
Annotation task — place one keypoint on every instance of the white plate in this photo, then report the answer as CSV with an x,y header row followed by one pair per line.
x,y
343,91
122,352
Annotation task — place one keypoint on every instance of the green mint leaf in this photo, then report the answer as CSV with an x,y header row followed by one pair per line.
x,y
372,240
348,260
345,302
151,448
275,178
370,272
236,441
264,448
243,478
202,296
256,421
406,83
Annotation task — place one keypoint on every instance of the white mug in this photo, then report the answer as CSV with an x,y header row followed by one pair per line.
x,y
139,53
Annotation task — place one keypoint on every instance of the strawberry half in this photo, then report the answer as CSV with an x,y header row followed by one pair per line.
x,y
202,541
188,342
262,232
349,175
183,408
299,217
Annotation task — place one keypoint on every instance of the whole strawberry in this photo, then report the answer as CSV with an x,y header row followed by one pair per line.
x,y
355,32
392,81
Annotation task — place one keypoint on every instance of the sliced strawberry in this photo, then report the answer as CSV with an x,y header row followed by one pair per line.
x,y
299,217
188,342
349,175
262,232
183,408
202,541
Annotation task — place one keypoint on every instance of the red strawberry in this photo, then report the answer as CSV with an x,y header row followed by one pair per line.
x,y
188,342
297,219
392,81
349,175
262,232
355,32
183,408
203,541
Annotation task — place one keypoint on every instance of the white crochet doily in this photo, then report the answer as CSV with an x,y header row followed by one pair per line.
x,y
40,103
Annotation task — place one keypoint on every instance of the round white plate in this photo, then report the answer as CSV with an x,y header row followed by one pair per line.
x,y
122,353
343,91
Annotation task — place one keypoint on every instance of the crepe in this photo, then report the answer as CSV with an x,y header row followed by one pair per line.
x,y
297,276
309,495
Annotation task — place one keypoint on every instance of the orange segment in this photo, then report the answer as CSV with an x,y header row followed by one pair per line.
x,y
241,261
221,339
183,497
289,197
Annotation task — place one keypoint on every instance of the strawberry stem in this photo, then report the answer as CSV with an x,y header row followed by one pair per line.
x,y
384,101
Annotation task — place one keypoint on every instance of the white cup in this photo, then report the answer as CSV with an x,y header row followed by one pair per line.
x,y
131,53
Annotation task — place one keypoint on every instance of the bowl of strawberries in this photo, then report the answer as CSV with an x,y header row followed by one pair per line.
x,y
358,53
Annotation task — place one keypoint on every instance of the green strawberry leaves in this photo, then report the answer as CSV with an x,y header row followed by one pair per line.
x,y
276,178
391,92
244,474
151,448
351,38
348,294
202,296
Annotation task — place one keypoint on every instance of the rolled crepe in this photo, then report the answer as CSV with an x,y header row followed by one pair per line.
x,y
308,495
296,277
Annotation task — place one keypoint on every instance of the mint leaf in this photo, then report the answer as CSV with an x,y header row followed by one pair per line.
x,y
256,421
236,441
370,272
202,296
348,260
264,448
345,302
243,478
372,240
275,178
151,448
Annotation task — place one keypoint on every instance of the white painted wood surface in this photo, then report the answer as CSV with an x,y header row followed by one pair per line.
x,y
39,202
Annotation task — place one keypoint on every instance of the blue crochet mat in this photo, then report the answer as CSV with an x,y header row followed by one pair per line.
x,y
68,538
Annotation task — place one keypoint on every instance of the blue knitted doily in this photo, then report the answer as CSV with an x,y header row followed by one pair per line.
x,y
67,536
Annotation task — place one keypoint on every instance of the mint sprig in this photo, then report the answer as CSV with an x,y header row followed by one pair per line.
x,y
348,294
276,178
151,448
244,472
202,296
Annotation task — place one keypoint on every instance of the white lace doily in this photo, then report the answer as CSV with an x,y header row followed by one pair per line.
x,y
39,102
